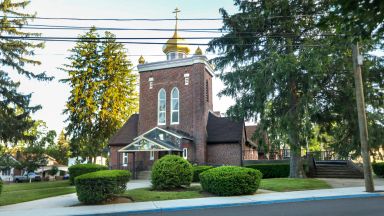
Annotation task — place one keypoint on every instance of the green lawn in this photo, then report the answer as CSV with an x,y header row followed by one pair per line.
x,y
287,184
146,194
22,192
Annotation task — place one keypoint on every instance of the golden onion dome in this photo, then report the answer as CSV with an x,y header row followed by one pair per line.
x,y
198,51
141,60
176,44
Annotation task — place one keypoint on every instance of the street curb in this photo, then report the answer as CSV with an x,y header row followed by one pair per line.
x,y
186,208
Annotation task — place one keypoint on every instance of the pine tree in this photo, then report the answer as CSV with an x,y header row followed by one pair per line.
x,y
103,93
60,150
15,108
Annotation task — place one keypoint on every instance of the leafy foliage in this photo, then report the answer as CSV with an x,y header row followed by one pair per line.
x,y
272,170
197,170
95,187
171,172
15,107
103,93
80,169
230,180
378,169
60,150
53,171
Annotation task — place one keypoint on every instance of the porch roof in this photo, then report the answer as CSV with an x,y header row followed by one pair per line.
x,y
156,139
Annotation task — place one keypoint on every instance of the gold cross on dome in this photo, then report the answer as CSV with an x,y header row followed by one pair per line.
x,y
176,11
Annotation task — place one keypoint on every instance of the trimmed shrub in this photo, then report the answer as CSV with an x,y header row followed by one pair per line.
x,y
230,180
96,187
80,169
1,186
378,169
272,170
197,170
171,172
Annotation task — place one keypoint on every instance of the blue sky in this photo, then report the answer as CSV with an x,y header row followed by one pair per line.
x,y
53,95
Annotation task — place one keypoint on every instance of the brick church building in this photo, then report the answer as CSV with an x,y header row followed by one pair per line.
x,y
176,116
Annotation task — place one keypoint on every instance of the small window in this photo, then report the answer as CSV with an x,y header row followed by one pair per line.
x,y
175,106
125,158
161,113
185,153
151,155
186,79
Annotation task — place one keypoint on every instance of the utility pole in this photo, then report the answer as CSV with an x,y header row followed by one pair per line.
x,y
357,62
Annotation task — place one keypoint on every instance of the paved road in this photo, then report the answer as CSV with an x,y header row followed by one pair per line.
x,y
339,207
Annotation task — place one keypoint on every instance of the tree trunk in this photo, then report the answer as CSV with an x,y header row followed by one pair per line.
x,y
296,168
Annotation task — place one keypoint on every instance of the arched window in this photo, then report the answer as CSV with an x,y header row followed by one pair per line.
x,y
161,107
175,106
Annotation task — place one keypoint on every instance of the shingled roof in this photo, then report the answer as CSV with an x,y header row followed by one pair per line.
x,y
127,133
223,130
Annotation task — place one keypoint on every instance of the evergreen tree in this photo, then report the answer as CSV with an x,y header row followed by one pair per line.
x,y
15,107
103,93
282,63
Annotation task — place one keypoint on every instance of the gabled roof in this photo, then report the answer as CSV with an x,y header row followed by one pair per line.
x,y
156,139
127,133
223,129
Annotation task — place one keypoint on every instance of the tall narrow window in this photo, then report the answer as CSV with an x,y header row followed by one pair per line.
x,y
175,106
206,91
185,153
151,155
125,158
161,107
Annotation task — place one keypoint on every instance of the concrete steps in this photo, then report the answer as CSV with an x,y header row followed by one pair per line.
x,y
336,169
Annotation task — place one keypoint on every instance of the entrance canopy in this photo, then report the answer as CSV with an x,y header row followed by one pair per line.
x,y
156,139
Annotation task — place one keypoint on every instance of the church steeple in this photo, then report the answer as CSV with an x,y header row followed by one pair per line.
x,y
175,47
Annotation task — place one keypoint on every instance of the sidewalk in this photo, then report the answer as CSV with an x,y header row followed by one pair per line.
x,y
47,206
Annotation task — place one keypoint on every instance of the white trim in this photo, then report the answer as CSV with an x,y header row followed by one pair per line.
x,y
138,140
169,132
158,107
125,157
178,106
177,63
185,153
151,155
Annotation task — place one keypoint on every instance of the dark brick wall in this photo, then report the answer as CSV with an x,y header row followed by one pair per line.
x,y
224,154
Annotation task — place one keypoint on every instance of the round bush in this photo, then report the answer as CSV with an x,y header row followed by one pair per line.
x,y
171,172
96,187
197,170
378,169
80,169
230,180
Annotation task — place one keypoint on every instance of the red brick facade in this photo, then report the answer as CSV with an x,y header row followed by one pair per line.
x,y
222,142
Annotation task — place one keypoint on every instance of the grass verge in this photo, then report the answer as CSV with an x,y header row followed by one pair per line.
x,y
289,184
146,194
23,192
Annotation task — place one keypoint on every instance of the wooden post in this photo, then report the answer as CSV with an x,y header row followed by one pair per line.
x,y
369,186
134,166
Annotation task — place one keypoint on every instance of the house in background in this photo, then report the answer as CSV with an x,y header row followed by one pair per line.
x,y
7,173
176,116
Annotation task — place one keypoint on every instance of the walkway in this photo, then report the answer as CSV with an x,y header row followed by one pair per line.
x,y
61,205
341,183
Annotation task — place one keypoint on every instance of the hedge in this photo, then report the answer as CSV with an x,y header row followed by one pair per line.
x,y
272,170
197,170
230,180
378,169
171,172
1,186
96,187
80,169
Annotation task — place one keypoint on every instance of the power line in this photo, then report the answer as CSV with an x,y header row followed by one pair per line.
x,y
153,19
69,39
